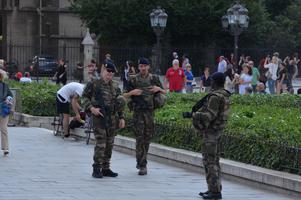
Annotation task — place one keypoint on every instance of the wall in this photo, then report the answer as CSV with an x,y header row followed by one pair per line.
x,y
64,3
29,3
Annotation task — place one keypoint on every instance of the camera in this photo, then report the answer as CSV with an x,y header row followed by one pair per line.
x,y
187,115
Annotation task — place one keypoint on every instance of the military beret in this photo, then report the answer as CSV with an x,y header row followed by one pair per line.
x,y
110,65
143,61
218,77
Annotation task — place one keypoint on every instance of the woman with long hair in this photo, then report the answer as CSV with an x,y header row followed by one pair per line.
x,y
230,80
282,79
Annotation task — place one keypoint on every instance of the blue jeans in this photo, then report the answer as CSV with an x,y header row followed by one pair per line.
x,y
189,89
271,84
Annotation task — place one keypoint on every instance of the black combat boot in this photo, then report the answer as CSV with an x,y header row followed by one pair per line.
x,y
202,193
212,195
142,171
97,173
109,173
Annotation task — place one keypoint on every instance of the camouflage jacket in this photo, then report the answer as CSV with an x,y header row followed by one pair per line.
x,y
146,100
109,92
215,111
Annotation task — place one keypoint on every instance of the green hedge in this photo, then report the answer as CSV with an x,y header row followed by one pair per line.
x,y
37,98
263,130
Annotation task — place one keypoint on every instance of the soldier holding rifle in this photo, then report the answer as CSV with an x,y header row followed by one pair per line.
x,y
103,100
146,93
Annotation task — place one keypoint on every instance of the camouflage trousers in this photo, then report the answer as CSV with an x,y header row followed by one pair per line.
x,y
104,145
144,128
211,155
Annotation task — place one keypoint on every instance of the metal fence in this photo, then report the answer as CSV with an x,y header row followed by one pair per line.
x,y
20,56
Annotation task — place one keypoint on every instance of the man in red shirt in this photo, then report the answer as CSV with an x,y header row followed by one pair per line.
x,y
175,76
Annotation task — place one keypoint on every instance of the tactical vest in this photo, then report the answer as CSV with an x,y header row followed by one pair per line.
x,y
220,122
107,92
222,116
146,100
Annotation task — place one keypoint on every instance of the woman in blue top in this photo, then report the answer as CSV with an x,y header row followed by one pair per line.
x,y
189,79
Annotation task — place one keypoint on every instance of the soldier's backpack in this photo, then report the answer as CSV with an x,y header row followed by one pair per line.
x,y
159,98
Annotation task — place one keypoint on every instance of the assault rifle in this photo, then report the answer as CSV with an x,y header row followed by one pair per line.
x,y
196,107
139,100
104,120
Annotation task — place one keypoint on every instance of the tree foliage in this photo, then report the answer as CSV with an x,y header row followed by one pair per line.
x,y
273,23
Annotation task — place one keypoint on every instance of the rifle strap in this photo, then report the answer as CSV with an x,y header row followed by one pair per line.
x,y
98,90
205,99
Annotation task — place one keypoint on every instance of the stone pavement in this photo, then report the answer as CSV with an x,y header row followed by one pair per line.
x,y
43,167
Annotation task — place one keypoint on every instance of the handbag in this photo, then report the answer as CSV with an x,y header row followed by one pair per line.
x,y
6,107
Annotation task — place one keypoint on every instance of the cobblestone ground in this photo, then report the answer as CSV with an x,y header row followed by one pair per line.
x,y
41,166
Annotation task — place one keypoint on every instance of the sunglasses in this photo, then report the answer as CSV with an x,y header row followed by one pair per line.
x,y
110,71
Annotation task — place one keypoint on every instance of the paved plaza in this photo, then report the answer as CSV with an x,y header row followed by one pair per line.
x,y
43,167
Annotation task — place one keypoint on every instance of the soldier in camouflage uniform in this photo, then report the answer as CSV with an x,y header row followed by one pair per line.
x,y
210,121
102,98
143,89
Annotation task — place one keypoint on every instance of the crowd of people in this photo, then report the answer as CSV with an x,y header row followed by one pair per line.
x,y
242,78
246,78
272,74
17,76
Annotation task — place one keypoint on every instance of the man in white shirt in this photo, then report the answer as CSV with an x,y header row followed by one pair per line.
x,y
222,65
69,93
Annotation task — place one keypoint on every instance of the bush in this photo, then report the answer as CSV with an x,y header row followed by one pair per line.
x,y
37,98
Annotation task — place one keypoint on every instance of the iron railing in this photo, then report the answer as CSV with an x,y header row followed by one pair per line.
x,y
199,57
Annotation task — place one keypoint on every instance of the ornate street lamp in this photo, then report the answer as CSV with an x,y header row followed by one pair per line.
x,y
235,21
158,19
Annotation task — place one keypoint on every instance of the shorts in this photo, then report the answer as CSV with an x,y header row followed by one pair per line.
x,y
62,108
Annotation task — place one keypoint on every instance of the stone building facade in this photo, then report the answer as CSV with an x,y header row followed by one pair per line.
x,y
39,27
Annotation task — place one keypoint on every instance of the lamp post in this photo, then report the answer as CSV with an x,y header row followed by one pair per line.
x,y
158,19
235,21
